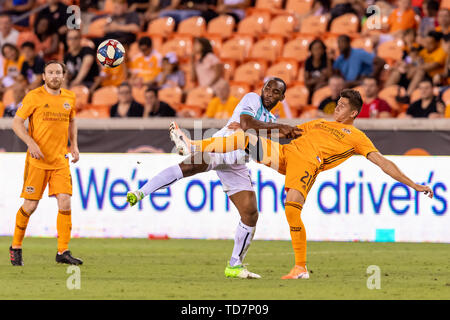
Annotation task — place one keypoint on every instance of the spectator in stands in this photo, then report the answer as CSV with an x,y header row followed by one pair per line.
x,y
153,107
47,39
327,106
32,67
110,77
122,26
428,106
80,61
318,67
355,63
320,8
7,33
56,13
184,9
222,105
12,64
341,7
443,79
16,8
373,107
429,19
433,56
207,69
155,9
443,19
127,106
146,66
18,94
171,75
234,8
402,18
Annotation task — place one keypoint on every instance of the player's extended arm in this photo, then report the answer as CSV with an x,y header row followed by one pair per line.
x,y
283,130
391,169
73,138
20,130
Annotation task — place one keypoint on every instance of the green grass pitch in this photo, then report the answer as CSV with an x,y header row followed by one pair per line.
x,y
193,269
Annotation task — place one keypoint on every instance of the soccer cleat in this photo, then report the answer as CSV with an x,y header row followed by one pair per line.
x,y
134,196
182,143
15,255
240,271
297,272
66,257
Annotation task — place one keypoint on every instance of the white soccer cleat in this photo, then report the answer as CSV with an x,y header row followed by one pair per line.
x,y
182,143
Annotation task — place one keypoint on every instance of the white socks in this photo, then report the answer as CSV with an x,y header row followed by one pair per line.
x,y
162,180
243,237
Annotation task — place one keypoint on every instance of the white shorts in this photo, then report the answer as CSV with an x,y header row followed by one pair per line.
x,y
232,171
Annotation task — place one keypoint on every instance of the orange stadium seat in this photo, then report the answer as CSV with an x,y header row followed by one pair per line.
x,y
363,43
96,28
320,95
389,93
283,25
332,44
239,89
94,112
250,73
236,48
162,26
391,51
299,7
229,67
314,25
197,100
297,97
216,43
445,4
182,46
268,49
172,96
222,25
297,49
301,76
284,70
8,97
254,25
105,96
193,26
346,24
446,97
269,4
82,94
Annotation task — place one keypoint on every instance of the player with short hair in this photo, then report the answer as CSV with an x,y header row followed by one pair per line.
x,y
50,111
252,112
322,146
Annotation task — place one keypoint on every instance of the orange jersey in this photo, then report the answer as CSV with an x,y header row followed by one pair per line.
x,y
49,116
329,143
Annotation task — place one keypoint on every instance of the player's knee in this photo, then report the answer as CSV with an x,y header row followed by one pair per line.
x,y
192,169
63,202
30,206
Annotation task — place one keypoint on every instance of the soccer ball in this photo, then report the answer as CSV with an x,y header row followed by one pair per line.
x,y
110,53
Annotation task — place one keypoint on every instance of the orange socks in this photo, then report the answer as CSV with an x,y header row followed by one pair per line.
x,y
21,225
298,232
236,141
64,227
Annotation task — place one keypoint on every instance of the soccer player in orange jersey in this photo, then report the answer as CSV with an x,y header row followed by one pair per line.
x,y
323,145
50,111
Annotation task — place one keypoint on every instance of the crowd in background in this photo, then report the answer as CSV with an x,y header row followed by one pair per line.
x,y
400,66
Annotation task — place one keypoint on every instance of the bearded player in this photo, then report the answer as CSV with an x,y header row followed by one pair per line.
x,y
50,111
322,146
252,112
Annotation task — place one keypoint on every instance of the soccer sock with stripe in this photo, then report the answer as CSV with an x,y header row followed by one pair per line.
x,y
64,228
236,141
297,230
242,239
162,180
22,218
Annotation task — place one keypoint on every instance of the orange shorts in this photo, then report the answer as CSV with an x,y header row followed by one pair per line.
x,y
35,181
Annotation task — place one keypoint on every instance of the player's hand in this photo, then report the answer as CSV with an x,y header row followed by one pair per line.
x,y
290,132
234,126
75,153
35,151
425,189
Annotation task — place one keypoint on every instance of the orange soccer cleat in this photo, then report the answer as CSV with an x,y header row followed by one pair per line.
x,y
297,272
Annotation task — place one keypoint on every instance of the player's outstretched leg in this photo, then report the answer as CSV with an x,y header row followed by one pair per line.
x,y
182,142
134,197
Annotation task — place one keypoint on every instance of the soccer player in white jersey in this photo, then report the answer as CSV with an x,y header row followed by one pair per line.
x,y
252,112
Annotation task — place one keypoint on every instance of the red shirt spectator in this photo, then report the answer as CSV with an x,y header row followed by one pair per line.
x,y
374,108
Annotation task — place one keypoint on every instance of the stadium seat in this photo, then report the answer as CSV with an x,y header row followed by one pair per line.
x,y
253,25
105,96
283,25
389,93
445,4
162,27
25,36
8,97
269,4
250,73
446,97
361,91
239,89
193,26
391,51
297,97
182,46
82,94
172,96
222,25
300,7
94,112
85,42
347,24
199,96
236,48
216,43
284,70
320,95
96,27
301,76
297,49
363,43
332,44
229,67
268,49
314,25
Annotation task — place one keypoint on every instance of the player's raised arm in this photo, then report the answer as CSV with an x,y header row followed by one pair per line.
x,y
391,169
